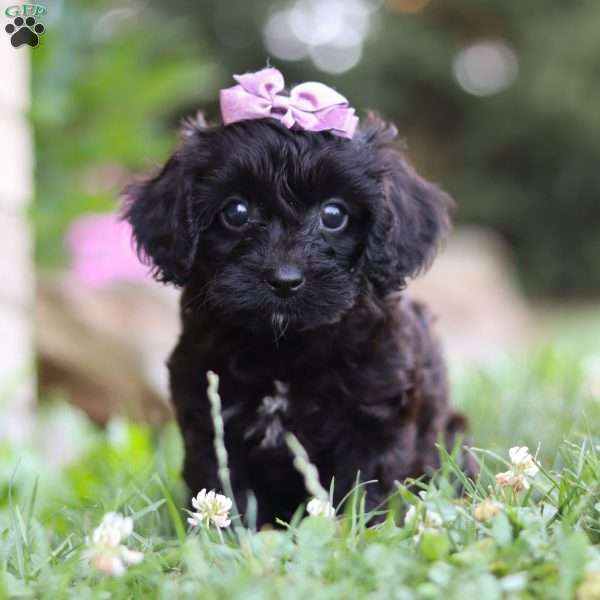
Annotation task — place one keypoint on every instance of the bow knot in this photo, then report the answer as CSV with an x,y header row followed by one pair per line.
x,y
311,106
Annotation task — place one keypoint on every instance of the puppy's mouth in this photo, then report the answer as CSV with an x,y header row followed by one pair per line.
x,y
284,322
262,311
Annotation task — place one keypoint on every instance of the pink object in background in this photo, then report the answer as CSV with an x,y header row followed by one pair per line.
x,y
102,251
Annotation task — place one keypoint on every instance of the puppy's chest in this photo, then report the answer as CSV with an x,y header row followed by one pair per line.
x,y
264,422
268,423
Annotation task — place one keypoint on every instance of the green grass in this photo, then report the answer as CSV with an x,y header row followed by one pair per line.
x,y
543,543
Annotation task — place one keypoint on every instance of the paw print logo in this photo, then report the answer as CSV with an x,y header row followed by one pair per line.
x,y
24,31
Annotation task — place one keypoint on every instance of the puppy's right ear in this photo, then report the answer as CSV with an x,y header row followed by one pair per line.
x,y
159,211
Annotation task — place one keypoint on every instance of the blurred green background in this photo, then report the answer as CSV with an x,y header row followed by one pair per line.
x,y
497,100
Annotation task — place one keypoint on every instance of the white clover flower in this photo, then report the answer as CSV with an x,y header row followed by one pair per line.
x,y
320,508
486,510
426,520
522,462
106,551
516,481
410,515
433,520
210,508
523,466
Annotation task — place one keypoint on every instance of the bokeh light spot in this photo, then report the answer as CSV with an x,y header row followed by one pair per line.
x,y
280,40
336,59
331,33
486,67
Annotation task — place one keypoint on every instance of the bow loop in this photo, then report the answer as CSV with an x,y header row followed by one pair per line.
x,y
310,106
313,96
265,83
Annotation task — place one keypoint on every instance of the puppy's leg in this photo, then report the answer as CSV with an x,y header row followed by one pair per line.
x,y
200,463
192,408
200,466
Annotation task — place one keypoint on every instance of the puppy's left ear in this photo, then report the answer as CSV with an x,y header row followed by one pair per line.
x,y
410,223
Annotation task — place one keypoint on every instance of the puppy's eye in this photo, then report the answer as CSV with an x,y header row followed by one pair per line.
x,y
235,214
334,216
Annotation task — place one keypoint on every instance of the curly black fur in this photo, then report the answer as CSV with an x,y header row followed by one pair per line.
x,y
347,364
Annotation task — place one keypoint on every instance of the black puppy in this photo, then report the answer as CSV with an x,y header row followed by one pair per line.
x,y
291,248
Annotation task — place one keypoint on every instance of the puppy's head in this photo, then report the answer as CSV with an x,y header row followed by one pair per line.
x,y
268,227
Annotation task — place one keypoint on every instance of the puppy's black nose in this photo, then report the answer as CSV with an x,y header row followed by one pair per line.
x,y
285,281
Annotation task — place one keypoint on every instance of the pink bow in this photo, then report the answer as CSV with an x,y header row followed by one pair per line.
x,y
311,106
